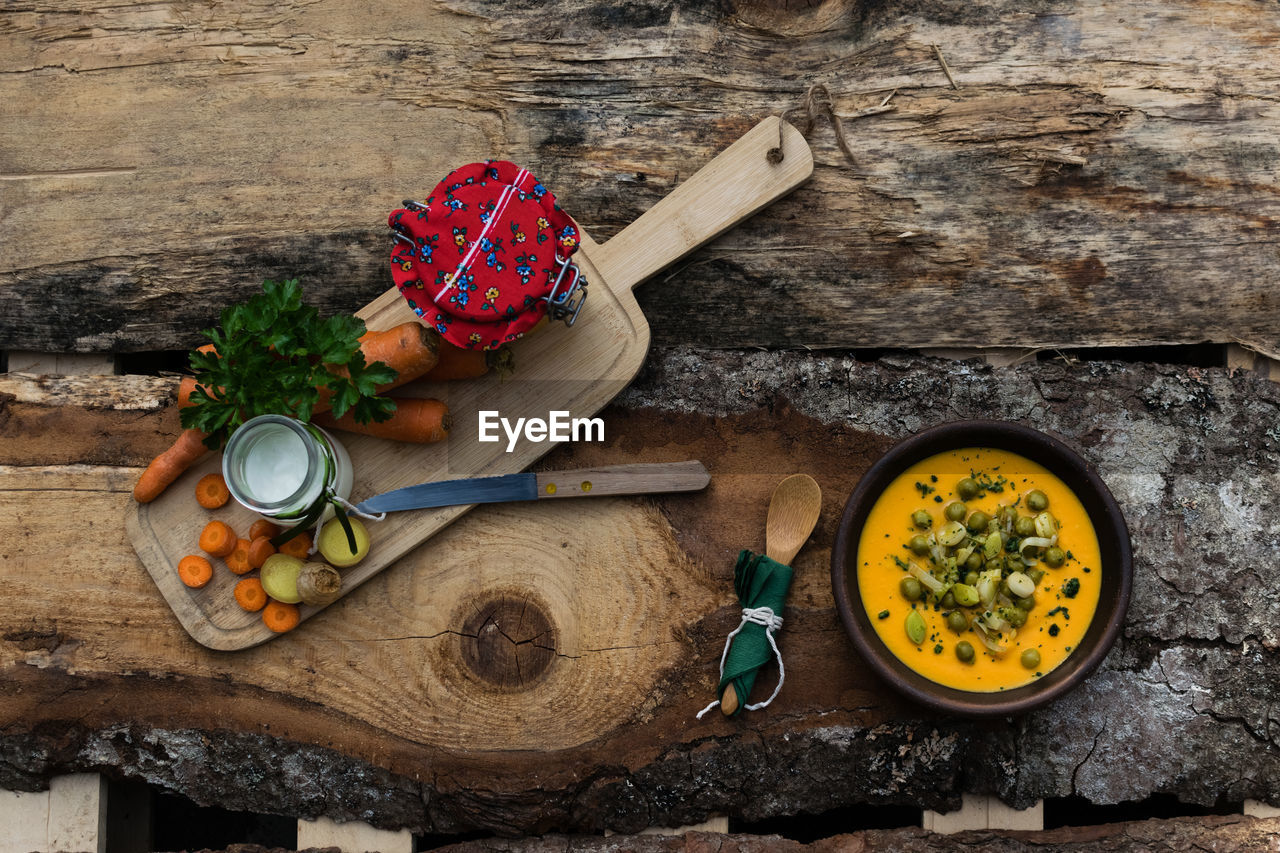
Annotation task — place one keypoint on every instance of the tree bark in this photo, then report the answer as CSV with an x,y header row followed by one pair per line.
x,y
1079,174
537,670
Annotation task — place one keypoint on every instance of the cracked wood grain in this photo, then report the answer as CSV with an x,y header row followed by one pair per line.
x,y
1102,174
409,734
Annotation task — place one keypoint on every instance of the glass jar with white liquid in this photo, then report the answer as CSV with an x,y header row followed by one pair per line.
x,y
286,470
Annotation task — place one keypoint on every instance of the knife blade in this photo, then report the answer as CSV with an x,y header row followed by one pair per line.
x,y
638,479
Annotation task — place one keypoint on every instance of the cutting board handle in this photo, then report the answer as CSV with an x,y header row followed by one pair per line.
x,y
738,182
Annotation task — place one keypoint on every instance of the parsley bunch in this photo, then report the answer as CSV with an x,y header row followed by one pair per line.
x,y
272,355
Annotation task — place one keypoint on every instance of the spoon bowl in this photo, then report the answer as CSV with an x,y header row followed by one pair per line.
x,y
793,513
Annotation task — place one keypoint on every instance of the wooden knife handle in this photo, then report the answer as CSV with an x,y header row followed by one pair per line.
x,y
734,185
637,479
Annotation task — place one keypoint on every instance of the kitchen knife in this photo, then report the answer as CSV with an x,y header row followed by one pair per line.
x,y
582,482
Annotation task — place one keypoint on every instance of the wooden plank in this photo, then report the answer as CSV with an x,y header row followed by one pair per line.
x,y
1187,833
1056,198
69,817
78,813
353,837
414,703
82,364
1255,808
1243,358
25,817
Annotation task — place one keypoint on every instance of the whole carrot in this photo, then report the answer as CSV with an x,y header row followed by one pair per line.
x,y
410,348
454,362
170,465
421,421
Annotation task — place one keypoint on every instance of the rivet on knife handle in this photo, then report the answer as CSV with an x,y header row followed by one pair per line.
x,y
636,479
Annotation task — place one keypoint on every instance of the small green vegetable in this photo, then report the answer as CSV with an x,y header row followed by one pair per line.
x,y
956,511
967,489
956,621
918,545
978,521
965,594
1037,501
922,518
1025,526
916,628
1053,556
910,588
964,651
1031,658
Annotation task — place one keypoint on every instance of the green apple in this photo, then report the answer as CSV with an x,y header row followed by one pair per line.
x,y
280,578
334,546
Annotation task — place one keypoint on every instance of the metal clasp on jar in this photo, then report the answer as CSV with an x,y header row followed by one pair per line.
x,y
566,299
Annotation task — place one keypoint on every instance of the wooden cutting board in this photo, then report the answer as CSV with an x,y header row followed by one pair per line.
x,y
577,370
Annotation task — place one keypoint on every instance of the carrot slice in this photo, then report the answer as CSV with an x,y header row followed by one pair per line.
x,y
262,527
281,617
212,491
238,559
217,539
250,595
259,550
299,546
195,570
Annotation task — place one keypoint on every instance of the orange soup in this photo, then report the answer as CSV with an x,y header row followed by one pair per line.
x,y
979,569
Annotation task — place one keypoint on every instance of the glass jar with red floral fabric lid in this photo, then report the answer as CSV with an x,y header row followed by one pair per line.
x,y
486,256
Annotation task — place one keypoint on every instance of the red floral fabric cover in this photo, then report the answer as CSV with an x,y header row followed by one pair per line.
x,y
477,258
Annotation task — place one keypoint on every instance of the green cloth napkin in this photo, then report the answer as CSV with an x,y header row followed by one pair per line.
x,y
759,582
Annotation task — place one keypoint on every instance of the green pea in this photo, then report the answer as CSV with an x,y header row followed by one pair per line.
x,y
949,601
1031,658
971,578
964,650
1036,575
1013,563
1037,501
1007,516
978,521
916,629
973,563
921,518
1025,526
910,588
956,511
918,545
1025,604
1015,616
967,489
956,621
1054,556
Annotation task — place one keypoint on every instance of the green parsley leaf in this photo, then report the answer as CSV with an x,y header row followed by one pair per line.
x,y
272,355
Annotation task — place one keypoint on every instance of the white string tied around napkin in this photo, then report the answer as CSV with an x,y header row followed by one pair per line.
x,y
772,623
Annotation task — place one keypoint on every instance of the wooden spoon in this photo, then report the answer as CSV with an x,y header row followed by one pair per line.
x,y
793,513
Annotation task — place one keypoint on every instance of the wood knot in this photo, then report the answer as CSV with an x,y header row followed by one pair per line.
x,y
508,639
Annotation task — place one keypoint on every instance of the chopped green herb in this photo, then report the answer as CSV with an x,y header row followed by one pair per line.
x,y
883,614
1071,587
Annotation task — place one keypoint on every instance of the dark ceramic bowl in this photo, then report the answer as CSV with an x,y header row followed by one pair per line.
x,y
1108,523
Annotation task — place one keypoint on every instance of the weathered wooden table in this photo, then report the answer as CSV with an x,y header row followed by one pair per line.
x,y
1057,183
